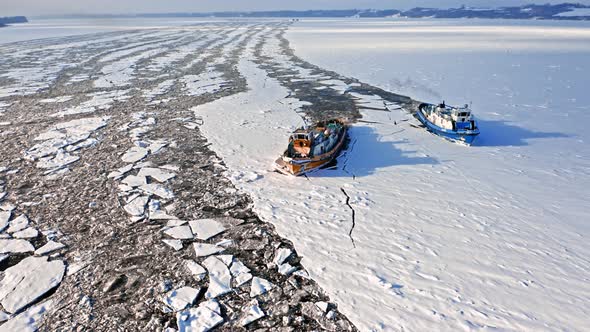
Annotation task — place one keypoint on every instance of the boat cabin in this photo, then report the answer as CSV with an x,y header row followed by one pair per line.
x,y
462,118
301,142
451,118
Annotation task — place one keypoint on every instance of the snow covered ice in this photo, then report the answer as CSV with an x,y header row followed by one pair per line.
x,y
440,228
141,158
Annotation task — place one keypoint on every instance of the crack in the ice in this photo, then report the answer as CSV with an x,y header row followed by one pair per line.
x,y
353,217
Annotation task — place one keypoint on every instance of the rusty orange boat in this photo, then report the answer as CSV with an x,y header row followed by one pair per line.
x,y
314,147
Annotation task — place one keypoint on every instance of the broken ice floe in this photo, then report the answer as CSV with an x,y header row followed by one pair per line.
x,y
134,181
160,215
4,316
180,232
15,246
242,279
206,249
49,247
287,269
302,274
135,154
158,190
61,99
57,162
226,259
27,233
175,222
240,272
118,174
323,306
156,174
219,277
18,224
260,286
208,82
180,299
237,268
136,207
195,269
282,255
174,244
253,313
205,229
52,152
28,321
161,89
4,217
201,318
28,280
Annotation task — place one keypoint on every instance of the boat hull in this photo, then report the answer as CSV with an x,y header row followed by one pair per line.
x,y
464,137
301,166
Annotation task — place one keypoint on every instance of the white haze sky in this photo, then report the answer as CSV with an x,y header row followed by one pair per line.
x,y
51,7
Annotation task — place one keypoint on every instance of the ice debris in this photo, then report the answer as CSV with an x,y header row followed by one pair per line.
x,y
237,267
253,314
175,244
27,233
134,181
180,299
15,246
323,306
49,247
287,269
158,190
28,280
198,319
156,174
219,277
180,232
137,206
282,255
29,320
226,259
4,218
18,224
135,154
205,229
259,286
195,269
205,249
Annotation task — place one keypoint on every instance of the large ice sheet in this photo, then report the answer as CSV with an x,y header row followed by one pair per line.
x,y
447,237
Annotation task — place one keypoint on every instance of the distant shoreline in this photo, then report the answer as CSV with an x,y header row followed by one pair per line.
x,y
5,21
565,11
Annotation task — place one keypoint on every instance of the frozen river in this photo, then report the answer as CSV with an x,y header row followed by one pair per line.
x,y
131,128
519,195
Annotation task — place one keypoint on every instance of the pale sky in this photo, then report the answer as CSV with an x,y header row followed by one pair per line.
x,y
51,7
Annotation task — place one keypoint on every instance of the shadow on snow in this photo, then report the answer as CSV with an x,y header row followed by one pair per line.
x,y
502,133
366,152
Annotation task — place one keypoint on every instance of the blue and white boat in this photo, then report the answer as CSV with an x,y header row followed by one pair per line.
x,y
456,124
